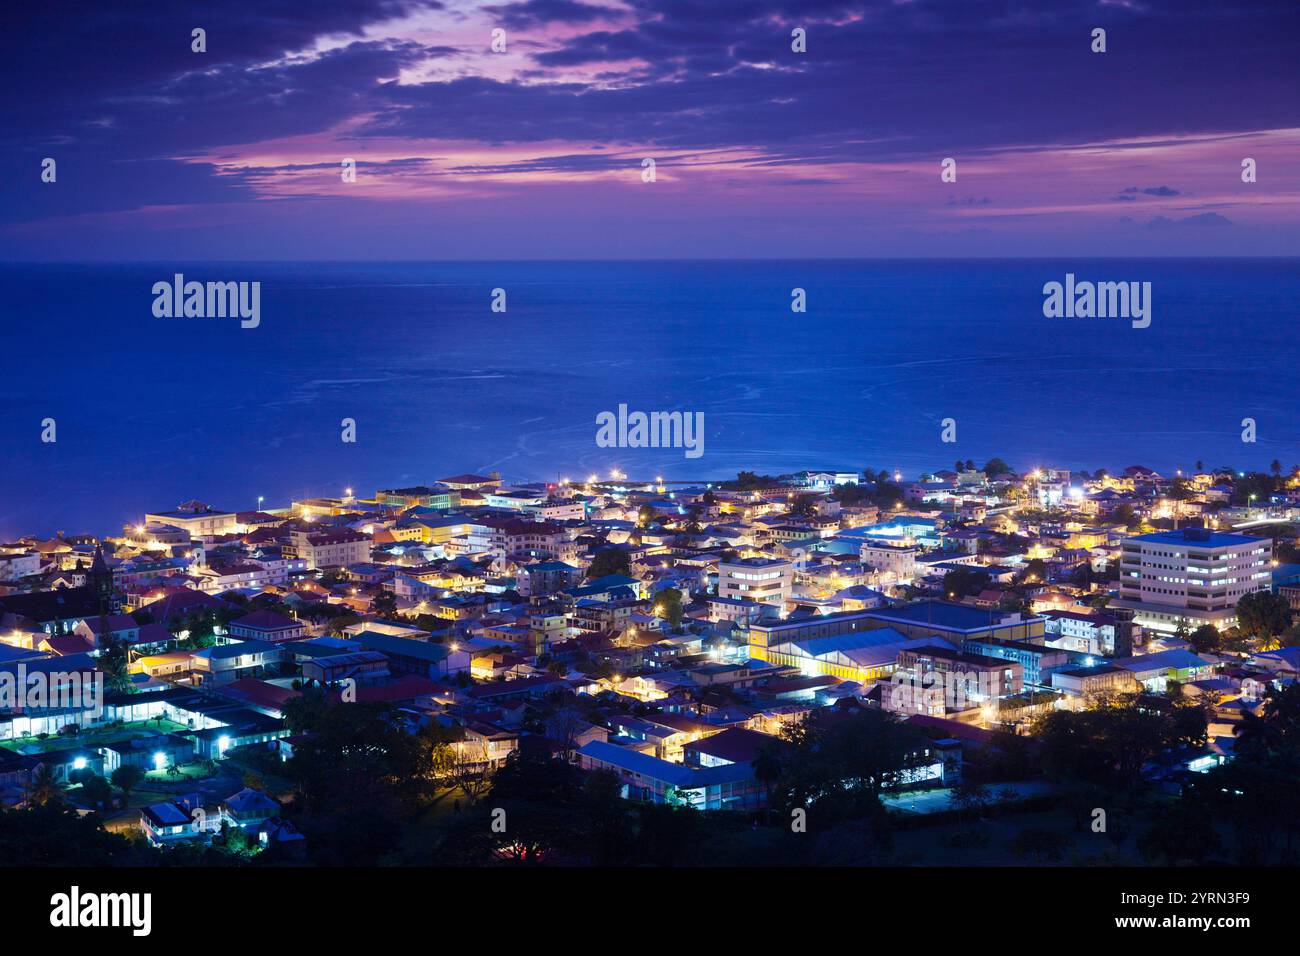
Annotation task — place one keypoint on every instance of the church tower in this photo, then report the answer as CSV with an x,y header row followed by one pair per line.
x,y
100,581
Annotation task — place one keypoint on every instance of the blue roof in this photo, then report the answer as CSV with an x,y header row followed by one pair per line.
x,y
599,586
402,646
817,646
1176,659
941,614
637,762
679,776
1197,538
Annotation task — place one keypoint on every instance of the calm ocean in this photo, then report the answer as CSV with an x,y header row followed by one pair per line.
x,y
153,411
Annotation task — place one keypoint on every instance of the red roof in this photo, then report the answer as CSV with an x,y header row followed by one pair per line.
x,y
180,603
952,728
67,644
259,693
264,621
738,745
116,622
407,687
152,634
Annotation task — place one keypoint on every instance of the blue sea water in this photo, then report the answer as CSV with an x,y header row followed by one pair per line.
x,y
152,411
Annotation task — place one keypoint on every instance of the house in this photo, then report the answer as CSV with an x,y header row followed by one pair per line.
x,y
1281,663
180,603
266,626
180,820
1154,671
248,809
642,777
520,688
149,753
735,745
117,627
487,744
228,662
66,644
1083,682
358,666
409,656
16,772
151,639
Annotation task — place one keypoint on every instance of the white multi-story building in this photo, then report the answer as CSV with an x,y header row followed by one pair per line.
x,y
898,560
335,548
196,519
1190,577
18,563
765,580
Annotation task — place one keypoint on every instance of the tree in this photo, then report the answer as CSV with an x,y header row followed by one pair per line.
x,y
42,788
1254,486
384,604
996,466
886,494
804,506
56,834
563,726
843,759
114,664
1035,571
1106,745
1263,615
608,561
96,790
768,770
748,481
1256,791
305,710
1206,639
970,796
357,754
668,605
125,779
960,582
456,763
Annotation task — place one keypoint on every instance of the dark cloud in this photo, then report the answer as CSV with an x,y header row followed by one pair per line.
x,y
109,87
902,81
66,64
531,13
1132,193
1205,220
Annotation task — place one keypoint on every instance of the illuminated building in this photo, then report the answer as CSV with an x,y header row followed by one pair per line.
x,y
1190,577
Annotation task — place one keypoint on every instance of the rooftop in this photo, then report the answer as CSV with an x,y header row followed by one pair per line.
x,y
1197,538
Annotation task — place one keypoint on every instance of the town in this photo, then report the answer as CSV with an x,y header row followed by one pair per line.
x,y
975,664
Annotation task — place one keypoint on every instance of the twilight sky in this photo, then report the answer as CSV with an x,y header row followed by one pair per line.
x,y
536,152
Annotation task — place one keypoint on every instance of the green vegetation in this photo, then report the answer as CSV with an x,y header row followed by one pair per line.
x,y
608,561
